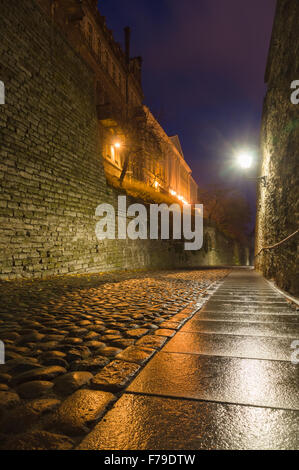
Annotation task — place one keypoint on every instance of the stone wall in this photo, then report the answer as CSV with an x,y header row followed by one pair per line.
x,y
51,173
277,215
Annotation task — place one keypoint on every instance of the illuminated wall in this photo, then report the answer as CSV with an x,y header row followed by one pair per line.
x,y
277,210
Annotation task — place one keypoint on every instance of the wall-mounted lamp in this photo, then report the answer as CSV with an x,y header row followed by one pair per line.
x,y
245,160
262,179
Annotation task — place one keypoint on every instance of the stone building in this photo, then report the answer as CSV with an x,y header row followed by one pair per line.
x,y
87,32
277,210
179,173
52,176
170,173
118,87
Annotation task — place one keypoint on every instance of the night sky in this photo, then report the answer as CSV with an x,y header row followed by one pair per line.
x,y
203,74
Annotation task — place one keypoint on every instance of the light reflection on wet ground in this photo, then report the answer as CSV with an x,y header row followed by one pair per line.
x,y
225,381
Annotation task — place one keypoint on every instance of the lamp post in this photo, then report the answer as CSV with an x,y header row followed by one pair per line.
x,y
245,160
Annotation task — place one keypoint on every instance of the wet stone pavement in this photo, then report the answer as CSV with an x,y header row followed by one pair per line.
x,y
226,380
73,344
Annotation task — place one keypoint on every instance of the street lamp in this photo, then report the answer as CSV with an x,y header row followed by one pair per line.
x,y
245,160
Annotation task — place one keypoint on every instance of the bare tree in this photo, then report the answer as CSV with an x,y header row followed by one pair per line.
x,y
229,209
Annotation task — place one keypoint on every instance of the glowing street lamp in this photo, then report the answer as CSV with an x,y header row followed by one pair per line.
x,y
245,160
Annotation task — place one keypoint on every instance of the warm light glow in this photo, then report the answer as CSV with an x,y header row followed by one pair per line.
x,y
117,145
180,198
112,152
245,159
156,184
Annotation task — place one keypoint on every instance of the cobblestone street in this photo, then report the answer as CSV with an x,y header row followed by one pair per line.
x,y
149,294
74,343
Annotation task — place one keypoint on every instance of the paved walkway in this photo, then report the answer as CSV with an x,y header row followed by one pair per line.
x,y
74,343
224,381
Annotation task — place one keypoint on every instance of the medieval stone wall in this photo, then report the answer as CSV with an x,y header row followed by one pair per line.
x,y
51,171
277,215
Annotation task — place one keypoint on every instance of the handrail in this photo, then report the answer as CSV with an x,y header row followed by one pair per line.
x,y
271,247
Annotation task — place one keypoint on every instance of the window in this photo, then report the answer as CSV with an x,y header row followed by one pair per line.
x,y
112,152
108,152
117,156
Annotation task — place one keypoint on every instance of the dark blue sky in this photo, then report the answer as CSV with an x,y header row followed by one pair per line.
x,y
203,73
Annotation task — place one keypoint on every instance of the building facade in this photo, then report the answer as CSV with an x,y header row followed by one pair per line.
x,y
119,96
170,173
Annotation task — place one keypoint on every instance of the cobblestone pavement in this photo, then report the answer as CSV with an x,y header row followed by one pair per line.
x,y
74,343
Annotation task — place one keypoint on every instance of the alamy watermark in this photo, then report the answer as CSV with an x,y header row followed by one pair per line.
x,y
152,223
295,94
2,353
2,93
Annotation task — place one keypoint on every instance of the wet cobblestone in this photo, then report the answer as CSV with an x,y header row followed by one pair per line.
x,y
62,334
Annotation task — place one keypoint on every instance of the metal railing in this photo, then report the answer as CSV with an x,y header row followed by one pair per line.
x,y
271,247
